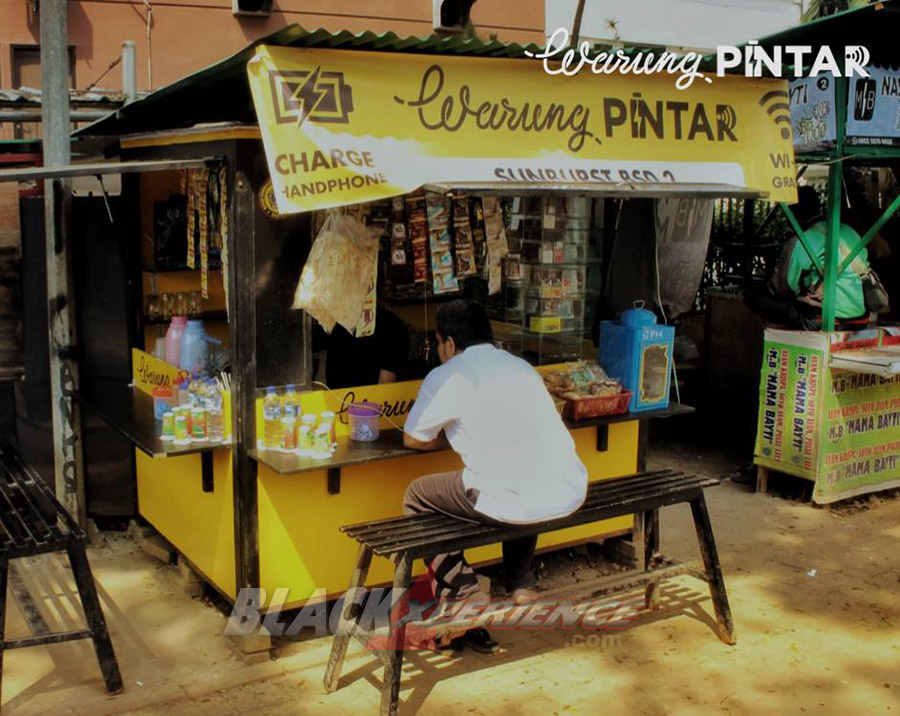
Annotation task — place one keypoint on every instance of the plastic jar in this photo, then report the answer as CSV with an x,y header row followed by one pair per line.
x,y
163,401
364,422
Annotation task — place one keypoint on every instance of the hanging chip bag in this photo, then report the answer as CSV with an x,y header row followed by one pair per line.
x,y
335,281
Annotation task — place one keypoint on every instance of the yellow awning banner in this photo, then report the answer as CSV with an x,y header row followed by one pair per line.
x,y
342,127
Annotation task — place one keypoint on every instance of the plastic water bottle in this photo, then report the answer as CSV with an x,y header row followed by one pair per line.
x,y
216,420
173,339
291,402
272,413
193,398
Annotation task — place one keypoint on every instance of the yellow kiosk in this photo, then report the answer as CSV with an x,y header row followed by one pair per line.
x,y
305,121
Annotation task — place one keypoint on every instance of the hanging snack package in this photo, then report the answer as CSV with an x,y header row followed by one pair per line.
x,y
191,216
438,209
336,279
494,277
445,281
465,247
366,325
419,234
495,238
495,234
443,278
203,209
223,228
420,261
398,244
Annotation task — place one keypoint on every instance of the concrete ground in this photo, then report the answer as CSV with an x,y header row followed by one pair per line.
x,y
814,593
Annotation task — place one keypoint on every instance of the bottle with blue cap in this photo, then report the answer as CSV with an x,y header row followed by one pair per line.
x,y
638,351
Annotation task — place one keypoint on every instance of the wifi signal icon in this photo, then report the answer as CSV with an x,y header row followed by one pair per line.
x,y
726,116
857,54
776,103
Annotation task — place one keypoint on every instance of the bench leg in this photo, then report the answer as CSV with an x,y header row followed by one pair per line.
x,y
713,569
349,617
87,590
651,550
762,479
390,688
4,574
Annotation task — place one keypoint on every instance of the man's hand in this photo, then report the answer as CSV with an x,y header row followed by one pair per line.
x,y
439,443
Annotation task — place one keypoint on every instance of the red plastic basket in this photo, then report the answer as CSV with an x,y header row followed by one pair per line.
x,y
596,407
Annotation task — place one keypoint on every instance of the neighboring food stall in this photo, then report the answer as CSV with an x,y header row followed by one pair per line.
x,y
482,177
830,401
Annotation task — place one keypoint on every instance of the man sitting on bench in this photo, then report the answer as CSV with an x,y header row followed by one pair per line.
x,y
520,465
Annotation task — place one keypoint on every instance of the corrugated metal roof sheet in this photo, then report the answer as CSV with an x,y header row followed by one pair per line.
x,y
876,26
220,92
31,96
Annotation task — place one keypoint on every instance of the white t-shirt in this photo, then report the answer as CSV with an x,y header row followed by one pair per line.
x,y
499,417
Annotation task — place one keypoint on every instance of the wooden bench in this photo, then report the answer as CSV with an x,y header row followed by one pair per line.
x,y
404,539
33,522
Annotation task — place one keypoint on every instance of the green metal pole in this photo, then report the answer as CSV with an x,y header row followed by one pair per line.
x,y
832,243
870,234
833,208
792,220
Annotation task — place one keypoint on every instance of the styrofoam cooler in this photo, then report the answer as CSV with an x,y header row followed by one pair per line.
x,y
638,351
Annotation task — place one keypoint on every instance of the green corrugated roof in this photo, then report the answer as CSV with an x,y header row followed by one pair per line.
x,y
220,93
877,26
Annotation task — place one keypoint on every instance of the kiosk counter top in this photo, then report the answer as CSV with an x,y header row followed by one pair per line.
x,y
130,412
389,445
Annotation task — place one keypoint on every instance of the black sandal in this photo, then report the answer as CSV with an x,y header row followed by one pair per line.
x,y
477,640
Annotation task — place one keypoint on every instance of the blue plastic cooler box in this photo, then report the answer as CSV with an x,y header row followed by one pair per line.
x,y
638,351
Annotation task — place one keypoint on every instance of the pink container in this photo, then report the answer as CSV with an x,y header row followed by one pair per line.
x,y
364,419
173,339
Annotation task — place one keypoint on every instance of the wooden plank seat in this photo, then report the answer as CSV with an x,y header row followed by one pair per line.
x,y
403,539
33,522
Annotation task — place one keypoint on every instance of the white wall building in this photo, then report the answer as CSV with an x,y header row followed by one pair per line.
x,y
687,24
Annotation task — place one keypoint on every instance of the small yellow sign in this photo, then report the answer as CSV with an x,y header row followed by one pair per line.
x,y
149,372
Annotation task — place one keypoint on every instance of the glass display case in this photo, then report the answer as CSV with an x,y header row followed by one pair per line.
x,y
551,278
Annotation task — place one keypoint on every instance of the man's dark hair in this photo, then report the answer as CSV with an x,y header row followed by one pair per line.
x,y
466,322
808,207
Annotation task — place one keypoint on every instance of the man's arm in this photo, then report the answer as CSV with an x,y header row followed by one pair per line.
x,y
439,443
433,409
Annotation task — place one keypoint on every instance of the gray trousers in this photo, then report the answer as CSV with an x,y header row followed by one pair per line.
x,y
451,575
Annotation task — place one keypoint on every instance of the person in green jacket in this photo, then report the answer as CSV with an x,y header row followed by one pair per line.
x,y
793,297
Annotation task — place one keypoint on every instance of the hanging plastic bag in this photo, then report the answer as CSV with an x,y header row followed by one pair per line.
x,y
334,282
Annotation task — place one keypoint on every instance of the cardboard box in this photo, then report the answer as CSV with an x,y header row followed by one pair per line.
x,y
545,324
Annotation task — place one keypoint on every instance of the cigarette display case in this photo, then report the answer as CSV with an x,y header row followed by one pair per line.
x,y
551,277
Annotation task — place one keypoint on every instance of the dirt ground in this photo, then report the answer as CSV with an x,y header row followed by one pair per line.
x,y
814,593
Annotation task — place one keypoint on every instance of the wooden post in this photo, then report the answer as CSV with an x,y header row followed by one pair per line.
x,y
69,477
242,329
393,669
710,556
348,620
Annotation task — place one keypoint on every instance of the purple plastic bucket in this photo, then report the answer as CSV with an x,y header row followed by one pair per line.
x,y
364,422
